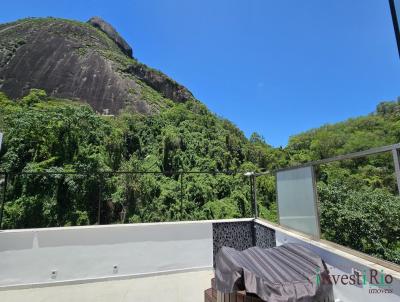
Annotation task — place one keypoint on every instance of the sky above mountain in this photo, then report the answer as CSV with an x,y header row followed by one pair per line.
x,y
273,67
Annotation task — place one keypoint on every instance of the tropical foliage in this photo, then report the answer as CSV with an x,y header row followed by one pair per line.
x,y
64,165
62,146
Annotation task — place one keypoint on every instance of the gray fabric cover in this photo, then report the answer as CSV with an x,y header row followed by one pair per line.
x,y
287,273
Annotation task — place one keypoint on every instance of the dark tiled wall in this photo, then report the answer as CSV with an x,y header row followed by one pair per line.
x,y
241,235
265,237
237,235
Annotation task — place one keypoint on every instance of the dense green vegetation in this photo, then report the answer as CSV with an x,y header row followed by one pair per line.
x,y
358,199
367,220
45,135
359,202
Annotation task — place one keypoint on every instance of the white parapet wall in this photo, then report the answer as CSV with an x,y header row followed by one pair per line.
x,y
80,254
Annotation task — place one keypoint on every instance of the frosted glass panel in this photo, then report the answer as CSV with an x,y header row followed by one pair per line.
x,y
297,200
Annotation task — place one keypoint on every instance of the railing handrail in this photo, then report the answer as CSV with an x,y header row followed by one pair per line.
x,y
177,172
353,155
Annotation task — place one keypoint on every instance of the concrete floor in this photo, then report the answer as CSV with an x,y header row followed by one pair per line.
x,y
178,287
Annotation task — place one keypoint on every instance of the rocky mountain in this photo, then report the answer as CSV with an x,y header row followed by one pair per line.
x,y
88,62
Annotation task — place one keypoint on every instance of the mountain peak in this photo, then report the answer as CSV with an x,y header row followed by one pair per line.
x,y
88,62
110,31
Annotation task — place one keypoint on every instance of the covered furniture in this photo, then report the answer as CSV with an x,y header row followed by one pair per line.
x,y
288,273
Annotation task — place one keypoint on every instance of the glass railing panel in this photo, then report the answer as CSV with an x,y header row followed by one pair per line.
x,y
297,200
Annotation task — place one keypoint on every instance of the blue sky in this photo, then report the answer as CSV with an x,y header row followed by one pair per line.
x,y
275,67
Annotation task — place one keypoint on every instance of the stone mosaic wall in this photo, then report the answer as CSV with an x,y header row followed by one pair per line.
x,y
265,237
241,235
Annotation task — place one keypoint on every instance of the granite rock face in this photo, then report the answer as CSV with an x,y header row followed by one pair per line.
x,y
159,82
112,34
83,62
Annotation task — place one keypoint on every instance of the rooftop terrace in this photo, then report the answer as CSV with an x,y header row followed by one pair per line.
x,y
174,261
151,262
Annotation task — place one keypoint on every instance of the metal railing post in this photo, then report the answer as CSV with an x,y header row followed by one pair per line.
x,y
99,203
126,203
4,199
395,154
181,175
254,195
316,203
